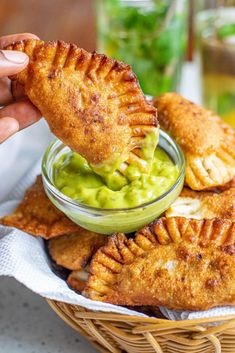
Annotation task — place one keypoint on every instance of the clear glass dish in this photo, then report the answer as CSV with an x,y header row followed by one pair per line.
x,y
108,221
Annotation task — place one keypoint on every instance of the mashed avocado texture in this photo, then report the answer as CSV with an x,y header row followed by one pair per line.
x,y
75,178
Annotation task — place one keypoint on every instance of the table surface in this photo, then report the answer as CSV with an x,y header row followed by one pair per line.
x,y
27,324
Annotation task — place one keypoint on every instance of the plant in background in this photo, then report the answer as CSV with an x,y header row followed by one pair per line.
x,y
149,35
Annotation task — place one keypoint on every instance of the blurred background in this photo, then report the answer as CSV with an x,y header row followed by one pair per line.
x,y
182,45
157,37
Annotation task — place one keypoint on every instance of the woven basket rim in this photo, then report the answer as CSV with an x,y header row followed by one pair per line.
x,y
116,333
101,315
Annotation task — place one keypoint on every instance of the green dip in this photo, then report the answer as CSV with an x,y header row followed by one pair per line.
x,y
74,177
109,171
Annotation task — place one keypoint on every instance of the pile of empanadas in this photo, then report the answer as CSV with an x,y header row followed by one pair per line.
x,y
184,260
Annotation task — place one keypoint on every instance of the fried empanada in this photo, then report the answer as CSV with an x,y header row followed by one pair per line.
x,y
217,232
77,279
228,185
92,103
207,142
37,216
204,205
73,251
205,232
180,276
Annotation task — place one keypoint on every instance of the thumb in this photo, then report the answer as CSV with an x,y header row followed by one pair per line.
x,y
12,62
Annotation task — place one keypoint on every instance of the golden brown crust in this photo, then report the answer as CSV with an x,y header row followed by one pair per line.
x,y
219,232
77,280
230,184
180,276
94,104
204,205
193,126
73,251
176,229
208,143
37,216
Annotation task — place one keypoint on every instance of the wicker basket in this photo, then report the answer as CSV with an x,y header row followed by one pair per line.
x,y
120,333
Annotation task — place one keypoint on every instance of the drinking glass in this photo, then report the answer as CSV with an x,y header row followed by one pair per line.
x,y
216,38
149,35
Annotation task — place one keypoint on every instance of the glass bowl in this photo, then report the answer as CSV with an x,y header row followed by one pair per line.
x,y
108,221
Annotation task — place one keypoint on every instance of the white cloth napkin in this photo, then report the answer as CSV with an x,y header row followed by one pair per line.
x,y
24,258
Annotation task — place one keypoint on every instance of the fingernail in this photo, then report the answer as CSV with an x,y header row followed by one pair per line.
x,y
14,57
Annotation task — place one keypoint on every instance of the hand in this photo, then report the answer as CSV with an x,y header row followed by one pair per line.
x,y
18,111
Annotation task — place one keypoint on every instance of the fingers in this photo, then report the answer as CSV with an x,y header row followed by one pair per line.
x,y
8,127
17,90
5,91
12,62
6,40
18,115
23,111
10,91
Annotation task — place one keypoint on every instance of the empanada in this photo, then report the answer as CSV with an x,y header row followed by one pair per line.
x,y
228,185
73,251
92,103
207,142
37,216
181,276
77,279
204,205
205,232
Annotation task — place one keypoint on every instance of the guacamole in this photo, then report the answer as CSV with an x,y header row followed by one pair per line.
x,y
109,170
75,178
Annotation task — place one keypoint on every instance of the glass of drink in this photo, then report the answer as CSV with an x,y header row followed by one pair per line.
x,y
149,35
216,29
